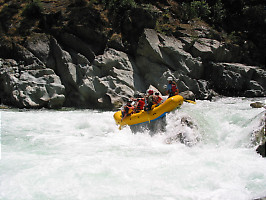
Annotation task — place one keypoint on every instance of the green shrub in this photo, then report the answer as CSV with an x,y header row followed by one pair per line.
x,y
196,9
218,13
115,5
117,10
33,9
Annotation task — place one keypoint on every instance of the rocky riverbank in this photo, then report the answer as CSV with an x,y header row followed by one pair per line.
x,y
65,55
47,74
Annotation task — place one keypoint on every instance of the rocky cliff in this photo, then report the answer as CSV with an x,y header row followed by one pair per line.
x,y
71,54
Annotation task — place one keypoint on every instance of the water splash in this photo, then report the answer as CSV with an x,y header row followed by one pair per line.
x,y
182,128
82,155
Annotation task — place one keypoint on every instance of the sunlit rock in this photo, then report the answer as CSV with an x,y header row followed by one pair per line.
x,y
30,87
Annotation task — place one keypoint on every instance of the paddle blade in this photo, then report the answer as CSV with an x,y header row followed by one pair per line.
x,y
189,101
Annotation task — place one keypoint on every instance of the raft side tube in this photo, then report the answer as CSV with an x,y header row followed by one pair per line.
x,y
154,114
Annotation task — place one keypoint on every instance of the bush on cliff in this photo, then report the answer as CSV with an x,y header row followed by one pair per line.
x,y
33,9
196,9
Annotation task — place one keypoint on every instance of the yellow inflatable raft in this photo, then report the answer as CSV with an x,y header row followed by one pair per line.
x,y
154,114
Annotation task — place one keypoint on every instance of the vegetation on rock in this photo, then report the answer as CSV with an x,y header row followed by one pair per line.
x,y
237,22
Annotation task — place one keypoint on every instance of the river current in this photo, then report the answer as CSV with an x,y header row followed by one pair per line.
x,y
81,155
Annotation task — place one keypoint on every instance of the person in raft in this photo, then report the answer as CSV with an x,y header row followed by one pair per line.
x,y
127,110
172,89
140,104
149,100
157,99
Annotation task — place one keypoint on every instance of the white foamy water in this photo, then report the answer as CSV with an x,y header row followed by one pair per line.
x,y
80,155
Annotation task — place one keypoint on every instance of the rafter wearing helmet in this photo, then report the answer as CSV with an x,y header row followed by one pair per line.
x,y
172,89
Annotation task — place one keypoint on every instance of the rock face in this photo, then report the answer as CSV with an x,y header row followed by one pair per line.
x,y
257,105
258,137
73,70
31,86
237,79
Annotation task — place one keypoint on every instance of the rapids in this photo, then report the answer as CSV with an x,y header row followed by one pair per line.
x,y
81,155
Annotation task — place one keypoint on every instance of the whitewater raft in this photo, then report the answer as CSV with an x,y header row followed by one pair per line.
x,y
152,115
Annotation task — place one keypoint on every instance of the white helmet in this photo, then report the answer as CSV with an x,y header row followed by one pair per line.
x,y
170,78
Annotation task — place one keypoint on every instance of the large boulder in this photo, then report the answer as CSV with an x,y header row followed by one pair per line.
x,y
64,64
178,59
258,137
39,44
110,80
237,79
78,45
30,86
257,105
159,56
188,95
168,51
207,49
201,65
148,46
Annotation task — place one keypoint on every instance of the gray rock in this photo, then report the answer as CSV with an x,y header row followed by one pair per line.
x,y
56,101
261,149
160,56
91,75
188,95
207,49
30,88
179,60
110,80
40,46
254,85
149,46
168,51
257,105
236,79
78,45
64,65
258,137
153,73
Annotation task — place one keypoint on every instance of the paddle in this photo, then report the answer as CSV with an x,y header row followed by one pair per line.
x,y
189,101
148,113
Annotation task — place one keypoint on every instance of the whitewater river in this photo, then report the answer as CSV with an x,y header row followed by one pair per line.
x,y
81,155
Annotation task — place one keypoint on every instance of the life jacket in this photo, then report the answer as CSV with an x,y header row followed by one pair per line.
x,y
157,100
140,105
149,102
174,89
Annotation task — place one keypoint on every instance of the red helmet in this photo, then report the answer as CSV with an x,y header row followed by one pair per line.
x,y
150,92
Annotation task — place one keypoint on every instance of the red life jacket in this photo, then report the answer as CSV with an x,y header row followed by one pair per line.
x,y
174,89
157,100
140,105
